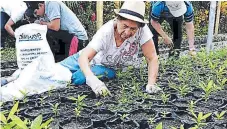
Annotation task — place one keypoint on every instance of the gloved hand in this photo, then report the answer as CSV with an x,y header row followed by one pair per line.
x,y
96,85
152,88
192,52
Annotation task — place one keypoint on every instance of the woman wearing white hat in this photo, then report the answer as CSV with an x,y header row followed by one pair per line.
x,y
173,12
116,45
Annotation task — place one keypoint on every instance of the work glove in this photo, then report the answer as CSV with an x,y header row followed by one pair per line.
x,y
192,52
96,85
152,88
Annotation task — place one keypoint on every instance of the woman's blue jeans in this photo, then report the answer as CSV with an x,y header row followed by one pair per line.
x,y
78,77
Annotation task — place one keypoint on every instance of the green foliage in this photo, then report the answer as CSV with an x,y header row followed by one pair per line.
x,y
13,121
200,118
54,108
124,116
208,88
165,98
80,104
8,54
220,116
159,126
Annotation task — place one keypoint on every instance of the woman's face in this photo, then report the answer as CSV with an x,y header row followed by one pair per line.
x,y
126,28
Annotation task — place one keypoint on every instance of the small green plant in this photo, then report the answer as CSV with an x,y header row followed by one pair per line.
x,y
124,117
192,105
54,108
208,89
165,98
220,116
42,100
105,93
221,82
164,114
151,121
79,104
13,121
183,90
24,93
200,118
119,75
49,90
159,126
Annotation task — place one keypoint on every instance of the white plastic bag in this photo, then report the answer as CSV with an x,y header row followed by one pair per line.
x,y
39,76
31,42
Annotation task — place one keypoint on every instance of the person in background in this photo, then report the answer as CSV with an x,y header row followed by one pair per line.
x,y
115,46
62,24
173,12
10,15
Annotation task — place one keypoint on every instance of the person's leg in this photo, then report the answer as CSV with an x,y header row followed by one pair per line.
x,y
176,27
4,18
71,63
100,71
64,40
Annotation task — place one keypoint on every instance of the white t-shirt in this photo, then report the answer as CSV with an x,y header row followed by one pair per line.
x,y
15,9
108,54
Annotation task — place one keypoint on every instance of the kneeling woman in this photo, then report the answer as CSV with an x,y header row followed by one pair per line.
x,y
116,45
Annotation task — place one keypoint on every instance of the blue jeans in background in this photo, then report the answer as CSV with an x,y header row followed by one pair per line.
x,y
78,77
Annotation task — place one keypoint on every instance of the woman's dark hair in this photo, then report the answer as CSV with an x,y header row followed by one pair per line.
x,y
33,4
123,18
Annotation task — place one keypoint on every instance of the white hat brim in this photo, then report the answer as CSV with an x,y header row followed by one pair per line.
x,y
130,17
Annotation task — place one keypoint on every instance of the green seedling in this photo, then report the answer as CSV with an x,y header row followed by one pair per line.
x,y
41,101
220,116
192,105
212,65
105,93
55,108
151,121
77,112
221,82
200,118
49,90
183,90
165,98
24,93
208,89
80,104
79,101
124,117
164,114
13,121
159,126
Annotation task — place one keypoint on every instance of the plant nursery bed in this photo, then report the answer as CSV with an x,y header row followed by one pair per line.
x,y
192,87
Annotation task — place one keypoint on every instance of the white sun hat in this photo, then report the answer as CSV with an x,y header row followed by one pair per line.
x,y
133,10
176,8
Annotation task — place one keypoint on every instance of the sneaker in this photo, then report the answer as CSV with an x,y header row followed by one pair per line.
x,y
73,46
